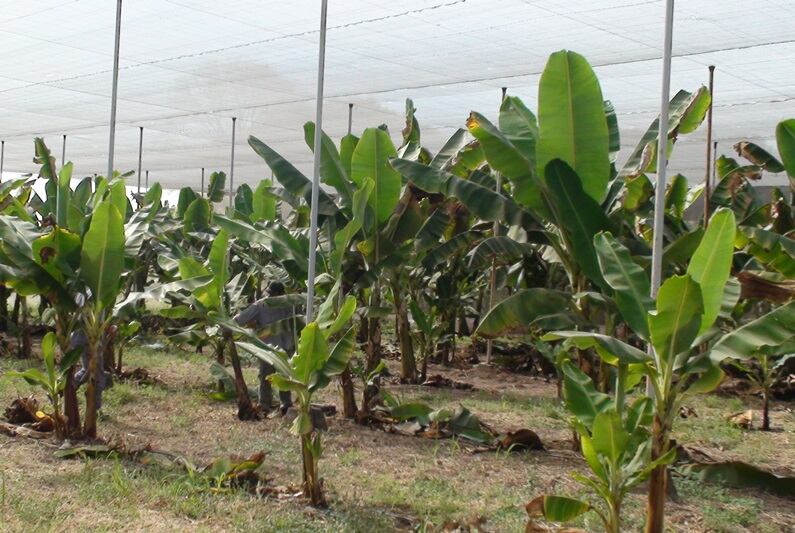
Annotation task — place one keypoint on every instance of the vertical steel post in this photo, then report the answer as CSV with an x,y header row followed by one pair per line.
x,y
202,194
350,117
714,164
63,151
147,181
708,173
115,91
232,167
662,163
662,152
321,65
496,231
140,154
2,157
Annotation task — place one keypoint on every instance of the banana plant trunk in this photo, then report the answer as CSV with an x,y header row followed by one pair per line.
x,y
70,406
348,394
614,518
119,358
313,489
219,358
109,354
24,332
90,423
15,310
768,378
425,356
408,364
766,409
655,509
245,407
373,346
4,293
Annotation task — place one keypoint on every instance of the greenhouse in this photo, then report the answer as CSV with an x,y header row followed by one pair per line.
x,y
430,265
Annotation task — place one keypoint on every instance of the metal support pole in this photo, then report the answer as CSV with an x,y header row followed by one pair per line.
x,y
140,154
493,278
350,117
232,166
714,164
708,173
2,157
321,65
202,194
147,180
662,152
63,151
662,163
114,92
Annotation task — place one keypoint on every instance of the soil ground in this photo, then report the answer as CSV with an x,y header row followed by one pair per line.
x,y
375,481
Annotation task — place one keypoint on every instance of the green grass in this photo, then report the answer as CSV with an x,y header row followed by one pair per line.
x,y
375,481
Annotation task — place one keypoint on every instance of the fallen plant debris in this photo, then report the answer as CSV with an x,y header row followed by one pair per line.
x,y
24,412
741,475
139,376
784,389
220,475
521,439
697,463
687,412
13,430
438,380
744,420
418,419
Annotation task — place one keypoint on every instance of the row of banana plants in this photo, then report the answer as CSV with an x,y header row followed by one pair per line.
x,y
416,236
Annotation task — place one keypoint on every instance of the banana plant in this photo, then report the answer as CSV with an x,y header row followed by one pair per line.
x,y
562,184
126,332
212,300
615,442
311,369
770,340
350,234
101,270
53,380
679,322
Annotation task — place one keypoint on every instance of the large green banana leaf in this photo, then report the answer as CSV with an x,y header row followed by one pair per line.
x,y
503,156
785,138
215,189
629,281
102,255
518,312
503,249
332,171
578,215
371,160
768,331
342,238
198,215
291,178
711,264
675,324
483,202
263,203
775,251
520,127
572,121
685,112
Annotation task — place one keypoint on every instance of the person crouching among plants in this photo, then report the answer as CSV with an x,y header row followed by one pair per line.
x,y
275,320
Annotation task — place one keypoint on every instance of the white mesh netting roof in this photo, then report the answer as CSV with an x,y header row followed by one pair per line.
x,y
188,66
